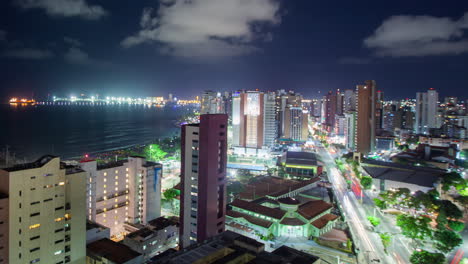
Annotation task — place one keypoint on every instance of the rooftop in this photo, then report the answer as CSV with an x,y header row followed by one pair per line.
x,y
301,158
292,221
162,222
251,219
116,252
272,186
110,165
323,221
260,209
32,165
92,225
421,176
311,209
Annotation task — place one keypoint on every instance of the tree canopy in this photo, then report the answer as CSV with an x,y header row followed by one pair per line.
x,y
414,227
447,240
154,152
426,257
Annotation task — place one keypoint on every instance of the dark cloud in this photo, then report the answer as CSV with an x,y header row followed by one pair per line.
x,y
65,8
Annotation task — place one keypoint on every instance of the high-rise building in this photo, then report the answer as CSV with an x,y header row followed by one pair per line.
x,y
349,101
339,102
122,191
296,124
365,117
270,124
4,226
350,130
212,103
203,179
330,110
285,100
316,108
426,111
247,119
379,110
47,212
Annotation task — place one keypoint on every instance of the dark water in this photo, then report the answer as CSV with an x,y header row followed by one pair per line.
x,y
71,131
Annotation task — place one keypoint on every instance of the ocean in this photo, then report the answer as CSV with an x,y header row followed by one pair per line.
x,y
71,131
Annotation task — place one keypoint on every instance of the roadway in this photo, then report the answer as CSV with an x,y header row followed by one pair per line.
x,y
368,242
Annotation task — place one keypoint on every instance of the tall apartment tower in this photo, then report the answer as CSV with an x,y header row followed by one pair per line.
x,y
47,212
247,119
122,191
296,124
426,111
4,226
365,117
203,179
330,110
270,124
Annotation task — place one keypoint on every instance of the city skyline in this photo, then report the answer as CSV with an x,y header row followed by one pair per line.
x,y
75,49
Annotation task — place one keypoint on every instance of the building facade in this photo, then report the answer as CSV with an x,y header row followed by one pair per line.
x,y
212,103
122,191
47,212
365,117
247,119
270,124
426,111
203,179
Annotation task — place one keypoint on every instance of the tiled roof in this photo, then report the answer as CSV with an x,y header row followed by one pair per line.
x,y
249,218
294,187
323,221
311,209
291,221
260,209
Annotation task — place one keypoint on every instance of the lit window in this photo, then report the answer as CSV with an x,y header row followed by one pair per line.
x,y
116,171
115,223
67,216
126,180
116,183
126,186
59,219
61,183
116,177
116,189
105,186
34,226
105,180
126,169
105,191
105,173
58,252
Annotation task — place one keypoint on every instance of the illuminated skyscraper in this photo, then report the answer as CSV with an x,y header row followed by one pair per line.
x,y
47,212
270,123
248,119
426,111
212,103
203,179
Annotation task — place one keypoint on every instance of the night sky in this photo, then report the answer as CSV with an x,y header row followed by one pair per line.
x,y
144,48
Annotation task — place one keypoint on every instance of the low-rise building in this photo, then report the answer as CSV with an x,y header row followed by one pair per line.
x,y
230,247
289,217
95,232
156,237
389,175
300,164
106,251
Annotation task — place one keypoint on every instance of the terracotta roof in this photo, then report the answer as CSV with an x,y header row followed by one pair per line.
x,y
294,187
273,186
311,209
260,209
291,221
323,221
249,218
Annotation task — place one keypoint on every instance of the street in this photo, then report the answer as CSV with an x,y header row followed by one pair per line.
x,y
368,242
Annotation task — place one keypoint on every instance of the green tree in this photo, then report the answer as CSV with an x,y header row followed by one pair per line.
x,y
244,175
386,240
447,240
375,221
450,209
380,203
456,226
452,179
414,227
425,257
366,182
154,152
170,194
